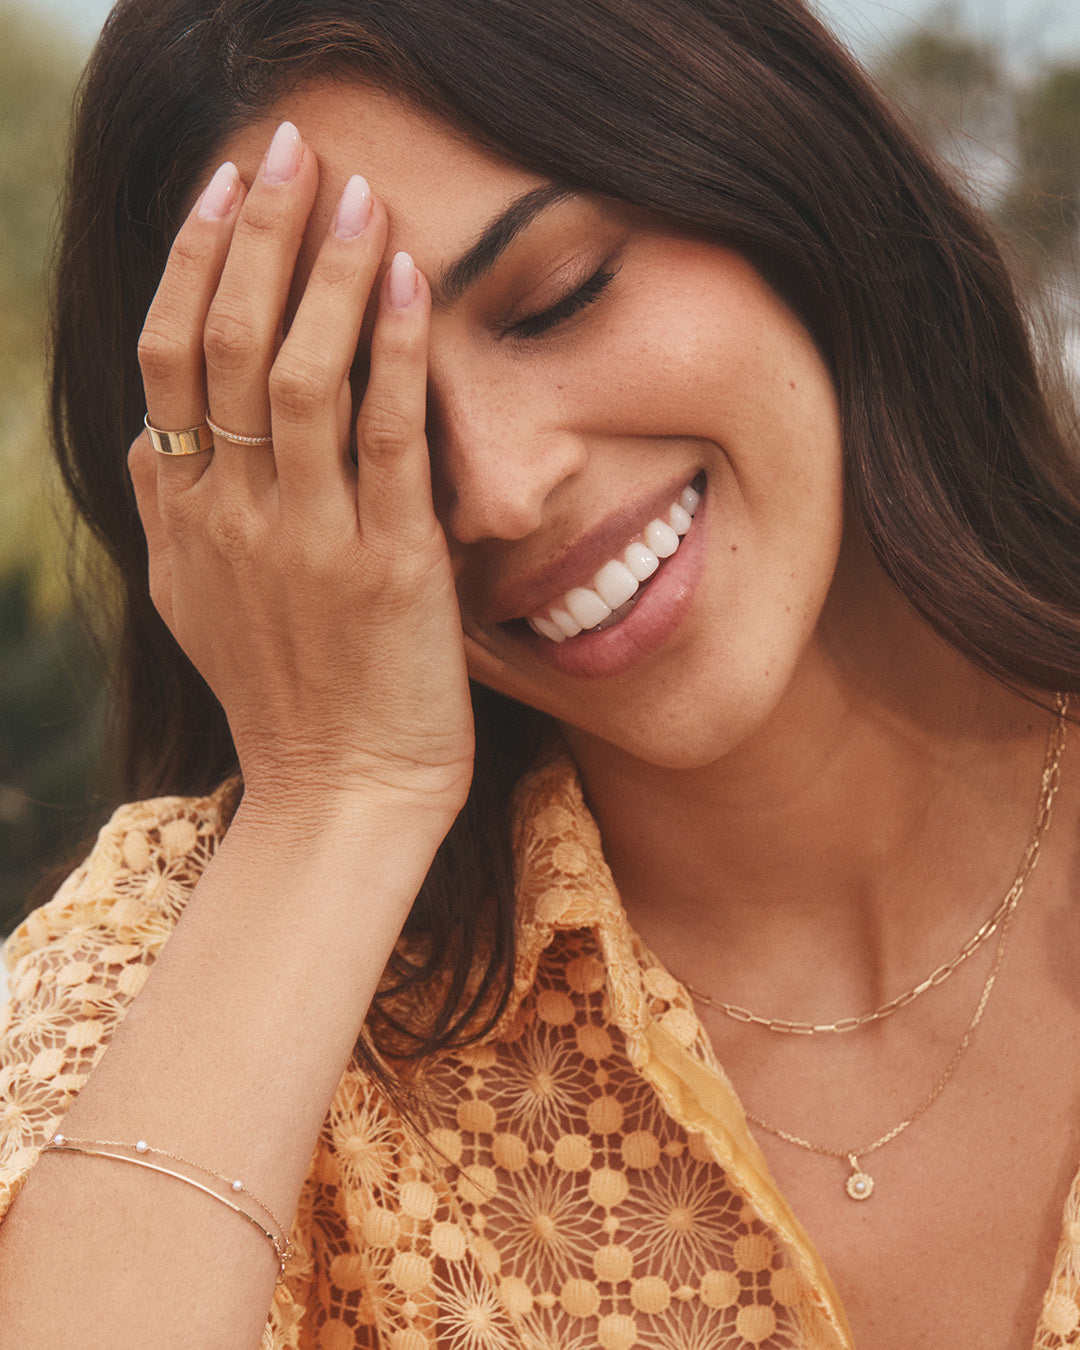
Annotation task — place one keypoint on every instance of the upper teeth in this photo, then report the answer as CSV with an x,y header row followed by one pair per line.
x,y
617,581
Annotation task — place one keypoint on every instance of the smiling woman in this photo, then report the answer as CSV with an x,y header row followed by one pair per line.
x,y
599,596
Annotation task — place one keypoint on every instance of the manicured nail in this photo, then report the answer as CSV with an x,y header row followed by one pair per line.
x,y
283,157
354,209
217,201
402,281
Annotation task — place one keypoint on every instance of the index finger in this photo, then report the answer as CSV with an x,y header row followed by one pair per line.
x,y
171,343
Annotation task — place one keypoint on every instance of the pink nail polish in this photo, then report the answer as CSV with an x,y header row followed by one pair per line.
x,y
283,157
402,281
354,209
217,201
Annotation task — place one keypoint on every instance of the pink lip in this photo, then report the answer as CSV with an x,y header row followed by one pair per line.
x,y
661,609
580,561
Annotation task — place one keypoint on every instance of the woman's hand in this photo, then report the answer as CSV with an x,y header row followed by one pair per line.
x,y
314,596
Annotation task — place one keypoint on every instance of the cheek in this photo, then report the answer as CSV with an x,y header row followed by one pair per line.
x,y
699,346
747,382
726,367
652,376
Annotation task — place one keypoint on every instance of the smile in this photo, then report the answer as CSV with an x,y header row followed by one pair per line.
x,y
617,586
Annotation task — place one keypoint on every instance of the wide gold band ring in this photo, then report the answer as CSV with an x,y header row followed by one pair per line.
x,y
235,436
194,441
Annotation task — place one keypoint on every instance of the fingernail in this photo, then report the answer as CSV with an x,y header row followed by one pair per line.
x,y
354,209
217,201
402,281
283,157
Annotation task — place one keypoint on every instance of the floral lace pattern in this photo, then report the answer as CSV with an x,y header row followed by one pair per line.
x,y
581,1178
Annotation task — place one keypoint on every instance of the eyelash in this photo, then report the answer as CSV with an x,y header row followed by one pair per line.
x,y
536,325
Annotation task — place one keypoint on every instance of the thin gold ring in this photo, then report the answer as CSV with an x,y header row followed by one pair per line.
x,y
233,436
194,441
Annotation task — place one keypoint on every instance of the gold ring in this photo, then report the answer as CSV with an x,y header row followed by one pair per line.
x,y
191,442
233,436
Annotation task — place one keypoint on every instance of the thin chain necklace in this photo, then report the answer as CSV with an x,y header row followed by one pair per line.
x,y
845,1024
942,973
859,1184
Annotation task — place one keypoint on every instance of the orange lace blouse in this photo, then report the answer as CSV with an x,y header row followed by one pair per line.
x,y
588,1179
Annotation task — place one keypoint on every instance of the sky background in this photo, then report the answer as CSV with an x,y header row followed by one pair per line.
x,y
1030,30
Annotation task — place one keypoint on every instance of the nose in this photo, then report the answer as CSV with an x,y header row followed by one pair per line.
x,y
499,454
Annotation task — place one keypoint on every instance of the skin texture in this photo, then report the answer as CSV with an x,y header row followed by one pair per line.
x,y
533,443
863,794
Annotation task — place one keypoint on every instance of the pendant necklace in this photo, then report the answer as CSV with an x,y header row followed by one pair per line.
x,y
859,1185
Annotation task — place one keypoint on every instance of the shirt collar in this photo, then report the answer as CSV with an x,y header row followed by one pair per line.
x,y
563,884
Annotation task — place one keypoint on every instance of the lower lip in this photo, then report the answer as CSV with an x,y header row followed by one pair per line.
x,y
655,617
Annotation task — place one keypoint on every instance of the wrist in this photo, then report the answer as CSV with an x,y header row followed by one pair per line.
x,y
308,820
309,788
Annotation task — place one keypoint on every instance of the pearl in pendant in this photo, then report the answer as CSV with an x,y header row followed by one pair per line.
x,y
860,1186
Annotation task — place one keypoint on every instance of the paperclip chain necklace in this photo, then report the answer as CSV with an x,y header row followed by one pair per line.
x,y
844,1024
939,976
859,1184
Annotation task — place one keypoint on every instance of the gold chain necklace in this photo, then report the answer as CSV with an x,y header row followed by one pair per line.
x,y
859,1184
844,1024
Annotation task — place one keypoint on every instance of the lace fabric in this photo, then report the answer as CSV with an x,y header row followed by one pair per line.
x,y
583,1177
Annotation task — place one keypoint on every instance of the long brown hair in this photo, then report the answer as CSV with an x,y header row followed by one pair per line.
x,y
740,118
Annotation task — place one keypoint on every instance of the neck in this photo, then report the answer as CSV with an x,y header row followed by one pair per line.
x,y
851,844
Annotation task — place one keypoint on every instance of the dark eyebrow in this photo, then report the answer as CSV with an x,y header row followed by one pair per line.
x,y
482,256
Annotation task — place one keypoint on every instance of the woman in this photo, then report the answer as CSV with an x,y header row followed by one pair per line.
x,y
626,358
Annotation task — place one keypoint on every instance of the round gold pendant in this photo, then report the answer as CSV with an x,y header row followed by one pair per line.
x,y
860,1186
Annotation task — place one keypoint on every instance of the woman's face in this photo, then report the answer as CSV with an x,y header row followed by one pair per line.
x,y
588,364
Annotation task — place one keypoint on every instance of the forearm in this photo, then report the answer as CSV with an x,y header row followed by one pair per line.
x,y
229,1056
313,589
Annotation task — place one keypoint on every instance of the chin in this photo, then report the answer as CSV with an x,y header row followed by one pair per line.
x,y
688,735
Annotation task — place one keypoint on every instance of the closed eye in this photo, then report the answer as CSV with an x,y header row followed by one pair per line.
x,y
536,325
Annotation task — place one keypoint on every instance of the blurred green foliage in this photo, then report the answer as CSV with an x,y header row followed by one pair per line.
x,y
50,719
1014,137
1043,208
50,686
38,69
